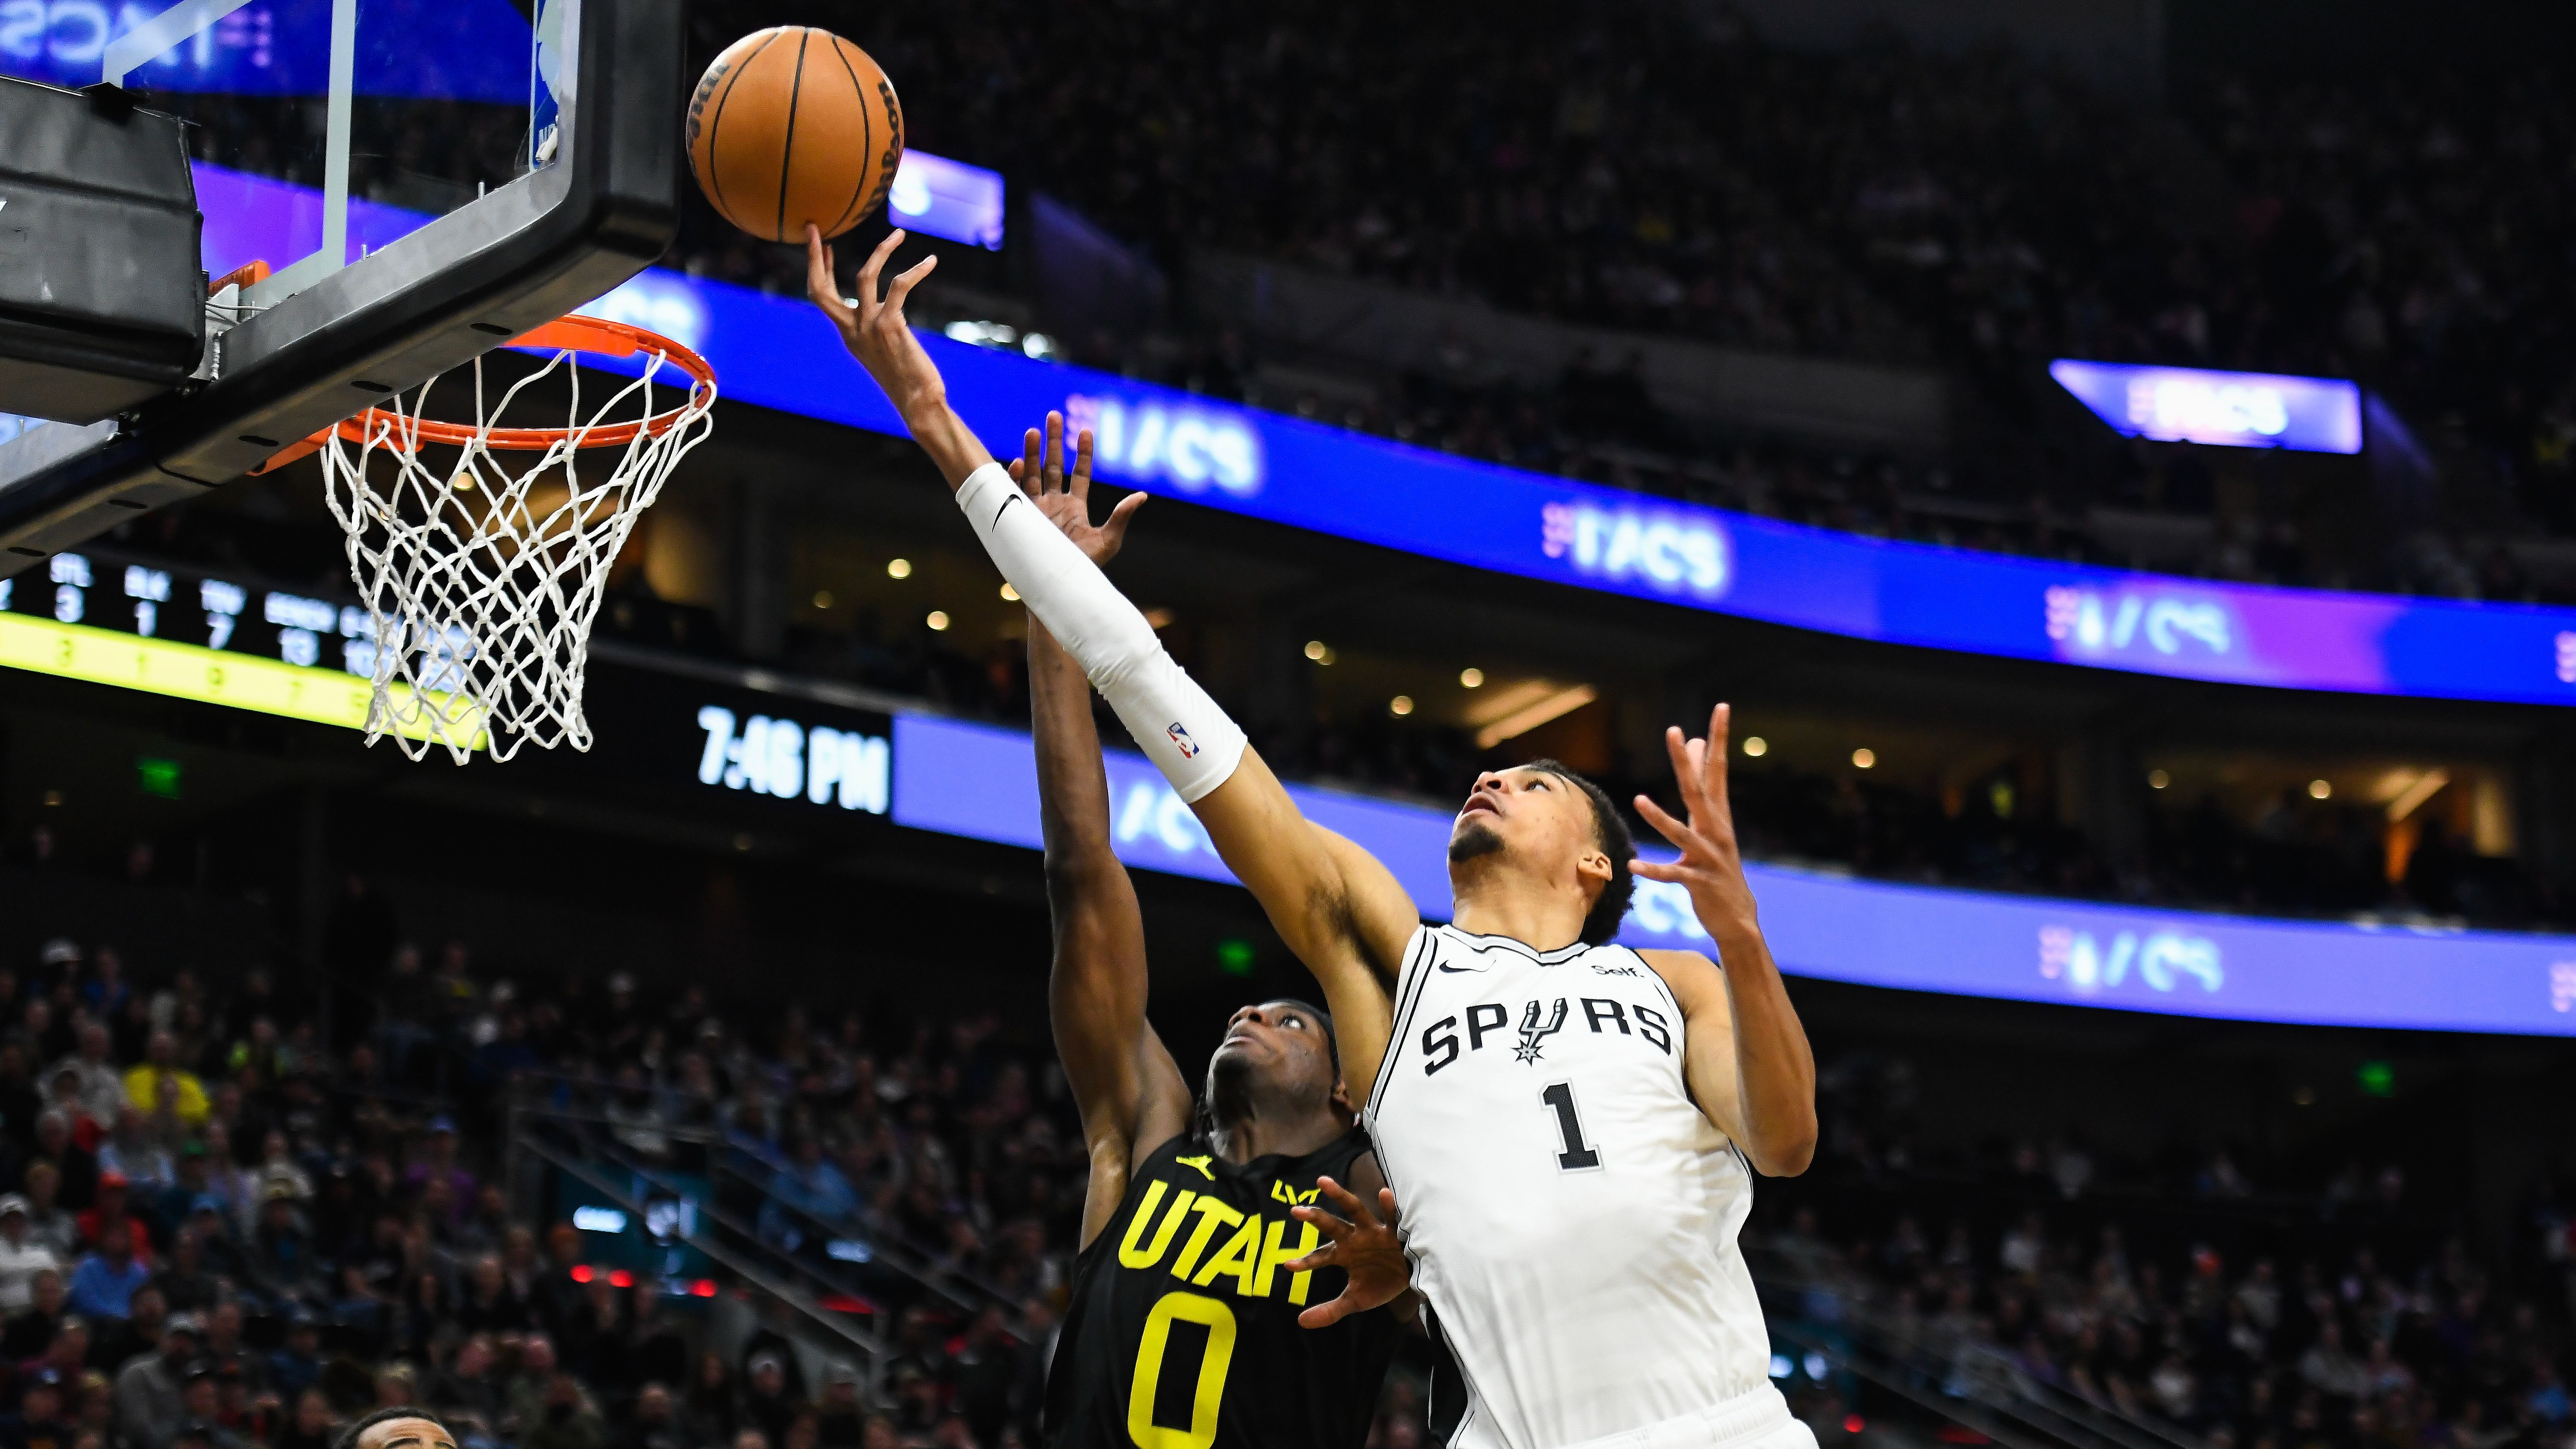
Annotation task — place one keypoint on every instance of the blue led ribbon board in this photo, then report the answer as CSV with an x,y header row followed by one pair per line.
x,y
2226,409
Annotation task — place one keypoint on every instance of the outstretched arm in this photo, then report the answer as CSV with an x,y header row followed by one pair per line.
x,y
1746,1055
1339,909
1128,1090
1125,1085
874,330
1334,904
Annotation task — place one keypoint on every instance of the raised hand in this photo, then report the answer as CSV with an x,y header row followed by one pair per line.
x,y
1711,867
1362,1245
873,328
1066,499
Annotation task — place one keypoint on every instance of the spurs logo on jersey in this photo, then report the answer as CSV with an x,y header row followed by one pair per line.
x,y
1571,1213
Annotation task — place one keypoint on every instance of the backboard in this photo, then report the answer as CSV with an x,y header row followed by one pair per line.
x,y
423,179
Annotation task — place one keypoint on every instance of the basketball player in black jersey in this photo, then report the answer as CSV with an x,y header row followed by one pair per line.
x,y
1203,1246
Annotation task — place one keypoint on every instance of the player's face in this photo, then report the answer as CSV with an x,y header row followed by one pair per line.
x,y
1531,814
1281,1040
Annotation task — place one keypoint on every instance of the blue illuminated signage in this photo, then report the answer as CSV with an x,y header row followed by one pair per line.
x,y
775,352
2231,409
981,781
945,198
277,48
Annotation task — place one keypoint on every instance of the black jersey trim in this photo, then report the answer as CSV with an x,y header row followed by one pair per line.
x,y
1520,947
1417,971
1661,984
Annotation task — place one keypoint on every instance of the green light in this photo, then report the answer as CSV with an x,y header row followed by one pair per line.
x,y
1234,957
157,777
2378,1079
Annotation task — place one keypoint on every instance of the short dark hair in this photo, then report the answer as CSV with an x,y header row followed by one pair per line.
x,y
348,1438
1610,831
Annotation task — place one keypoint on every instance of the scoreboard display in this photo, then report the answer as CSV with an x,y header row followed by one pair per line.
x,y
154,601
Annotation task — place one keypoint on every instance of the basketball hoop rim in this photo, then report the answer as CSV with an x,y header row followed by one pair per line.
x,y
594,335
597,336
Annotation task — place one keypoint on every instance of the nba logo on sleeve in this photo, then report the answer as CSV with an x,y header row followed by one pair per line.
x,y
1181,737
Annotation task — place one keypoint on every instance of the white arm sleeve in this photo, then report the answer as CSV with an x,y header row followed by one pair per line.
x,y
1171,719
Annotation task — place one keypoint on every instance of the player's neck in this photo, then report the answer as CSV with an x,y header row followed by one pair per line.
x,y
1496,901
1288,1134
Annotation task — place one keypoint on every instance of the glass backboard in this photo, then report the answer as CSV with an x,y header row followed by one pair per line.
x,y
423,180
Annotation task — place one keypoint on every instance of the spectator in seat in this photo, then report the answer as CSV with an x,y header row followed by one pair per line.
x,y
712,1419
841,1421
766,1405
103,1284
182,1280
529,1390
488,1305
228,1355
656,1423
22,1256
74,1167
113,1211
67,1354
152,1389
97,1087
116,1342
282,1254
467,1393
296,1365
310,1426
31,1328
40,1422
565,1419
160,1063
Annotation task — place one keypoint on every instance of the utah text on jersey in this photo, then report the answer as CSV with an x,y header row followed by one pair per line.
x,y
1248,1259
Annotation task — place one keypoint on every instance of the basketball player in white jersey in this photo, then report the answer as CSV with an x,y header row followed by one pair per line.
x,y
1570,1127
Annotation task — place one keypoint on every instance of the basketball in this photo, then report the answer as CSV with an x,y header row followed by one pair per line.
x,y
794,125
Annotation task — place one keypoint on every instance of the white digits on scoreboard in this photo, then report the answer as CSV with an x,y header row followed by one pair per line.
x,y
782,758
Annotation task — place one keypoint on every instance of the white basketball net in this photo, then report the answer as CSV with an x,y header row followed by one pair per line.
x,y
481,582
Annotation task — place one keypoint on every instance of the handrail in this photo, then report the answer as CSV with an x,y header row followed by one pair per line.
x,y
870,1347
1966,1368
914,1260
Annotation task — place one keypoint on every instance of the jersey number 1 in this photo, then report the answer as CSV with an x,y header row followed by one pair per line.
x,y
1578,1155
1218,1320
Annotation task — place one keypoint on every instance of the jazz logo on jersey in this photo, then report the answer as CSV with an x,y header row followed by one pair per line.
x,y
1533,1036
1181,737
1601,1015
1249,1257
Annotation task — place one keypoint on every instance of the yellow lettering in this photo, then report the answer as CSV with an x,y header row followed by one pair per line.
x,y
1237,1259
1211,1213
1272,1255
1209,1398
1129,1255
1201,1163
1283,1192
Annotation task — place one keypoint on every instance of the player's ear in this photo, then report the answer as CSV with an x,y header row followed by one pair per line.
x,y
1594,866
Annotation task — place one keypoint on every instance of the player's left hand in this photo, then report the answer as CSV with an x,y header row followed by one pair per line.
x,y
1065,498
1362,1245
1712,866
873,326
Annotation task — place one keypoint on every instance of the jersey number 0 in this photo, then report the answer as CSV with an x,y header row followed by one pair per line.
x,y
1218,1320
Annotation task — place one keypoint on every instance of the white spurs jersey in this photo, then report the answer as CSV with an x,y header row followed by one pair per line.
x,y
1570,1214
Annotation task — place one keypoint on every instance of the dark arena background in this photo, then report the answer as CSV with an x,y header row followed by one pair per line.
x,y
2117,456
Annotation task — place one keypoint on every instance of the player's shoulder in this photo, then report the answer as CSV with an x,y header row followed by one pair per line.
x,y
1689,975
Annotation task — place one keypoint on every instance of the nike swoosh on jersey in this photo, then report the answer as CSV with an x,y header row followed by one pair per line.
x,y
1460,970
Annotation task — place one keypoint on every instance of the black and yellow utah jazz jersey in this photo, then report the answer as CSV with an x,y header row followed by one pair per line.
x,y
1182,1332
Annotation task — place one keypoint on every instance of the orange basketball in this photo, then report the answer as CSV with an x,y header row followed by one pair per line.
x,y
792,125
